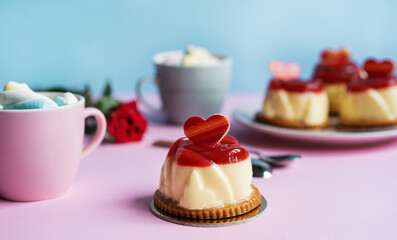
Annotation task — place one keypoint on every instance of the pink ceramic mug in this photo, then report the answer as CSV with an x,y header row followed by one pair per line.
x,y
40,149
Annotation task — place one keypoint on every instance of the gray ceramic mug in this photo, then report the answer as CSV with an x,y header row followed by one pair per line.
x,y
188,90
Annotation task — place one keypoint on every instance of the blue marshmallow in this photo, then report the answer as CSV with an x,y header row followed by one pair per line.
x,y
32,104
60,101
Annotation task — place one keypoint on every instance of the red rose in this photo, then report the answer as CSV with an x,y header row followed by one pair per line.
x,y
126,124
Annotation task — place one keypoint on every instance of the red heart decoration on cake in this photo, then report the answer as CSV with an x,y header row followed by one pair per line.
x,y
375,68
335,58
285,71
206,132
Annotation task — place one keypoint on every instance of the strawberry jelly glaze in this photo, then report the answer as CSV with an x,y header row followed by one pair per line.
x,y
296,86
361,85
186,153
343,74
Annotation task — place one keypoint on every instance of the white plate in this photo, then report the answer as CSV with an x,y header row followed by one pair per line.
x,y
246,116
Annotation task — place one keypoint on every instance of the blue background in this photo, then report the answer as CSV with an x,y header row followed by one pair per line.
x,y
73,43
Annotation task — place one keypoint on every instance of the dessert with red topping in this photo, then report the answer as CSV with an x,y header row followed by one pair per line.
x,y
335,70
294,103
371,101
206,175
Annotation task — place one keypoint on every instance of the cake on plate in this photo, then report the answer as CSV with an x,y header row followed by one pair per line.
x,y
371,101
206,175
336,70
291,102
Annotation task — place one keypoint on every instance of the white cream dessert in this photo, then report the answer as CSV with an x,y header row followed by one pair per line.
x,y
197,182
335,70
371,102
295,104
207,181
335,93
370,106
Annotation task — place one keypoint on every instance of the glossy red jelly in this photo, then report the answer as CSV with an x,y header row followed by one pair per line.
x,y
296,86
379,69
330,74
361,85
206,132
186,153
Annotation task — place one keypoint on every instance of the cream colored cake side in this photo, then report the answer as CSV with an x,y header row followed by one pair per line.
x,y
309,108
373,105
206,187
335,92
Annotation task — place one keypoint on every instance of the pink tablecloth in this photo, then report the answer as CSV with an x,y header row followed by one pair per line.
x,y
332,193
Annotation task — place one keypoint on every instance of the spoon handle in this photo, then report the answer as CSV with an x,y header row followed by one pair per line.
x,y
278,160
162,143
261,169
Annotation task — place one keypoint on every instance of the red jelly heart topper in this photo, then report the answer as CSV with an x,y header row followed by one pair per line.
x,y
378,69
335,58
284,71
208,132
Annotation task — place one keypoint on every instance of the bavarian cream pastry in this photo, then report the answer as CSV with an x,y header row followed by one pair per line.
x,y
206,175
203,177
20,96
371,101
290,102
335,70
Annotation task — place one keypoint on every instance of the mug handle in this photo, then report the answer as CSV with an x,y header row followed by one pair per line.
x,y
100,131
141,98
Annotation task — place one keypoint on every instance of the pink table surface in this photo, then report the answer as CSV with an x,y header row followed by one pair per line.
x,y
331,193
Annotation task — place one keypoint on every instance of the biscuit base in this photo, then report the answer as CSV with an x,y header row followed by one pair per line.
x,y
367,124
171,207
288,123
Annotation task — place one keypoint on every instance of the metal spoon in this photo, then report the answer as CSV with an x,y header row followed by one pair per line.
x,y
280,161
261,169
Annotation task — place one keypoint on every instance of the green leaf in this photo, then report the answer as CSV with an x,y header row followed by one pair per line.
x,y
106,104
